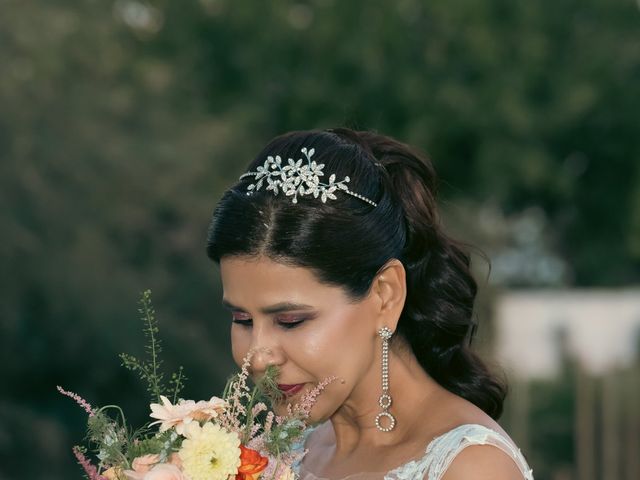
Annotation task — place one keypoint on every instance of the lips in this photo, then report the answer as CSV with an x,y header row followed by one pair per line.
x,y
290,390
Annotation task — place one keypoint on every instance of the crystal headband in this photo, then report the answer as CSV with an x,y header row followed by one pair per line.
x,y
297,179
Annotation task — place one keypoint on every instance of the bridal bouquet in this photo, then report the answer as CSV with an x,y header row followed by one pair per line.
x,y
235,436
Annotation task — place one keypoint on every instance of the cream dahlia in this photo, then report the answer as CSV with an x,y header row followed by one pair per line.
x,y
209,452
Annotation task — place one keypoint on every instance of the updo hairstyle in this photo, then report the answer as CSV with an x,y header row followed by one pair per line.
x,y
346,241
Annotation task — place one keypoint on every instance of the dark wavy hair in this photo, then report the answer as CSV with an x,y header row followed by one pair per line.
x,y
346,241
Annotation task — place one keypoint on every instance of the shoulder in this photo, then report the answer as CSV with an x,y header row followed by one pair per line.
x,y
475,452
482,462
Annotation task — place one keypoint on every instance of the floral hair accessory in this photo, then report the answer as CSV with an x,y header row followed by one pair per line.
x,y
295,179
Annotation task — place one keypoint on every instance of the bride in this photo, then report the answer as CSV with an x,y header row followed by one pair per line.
x,y
334,264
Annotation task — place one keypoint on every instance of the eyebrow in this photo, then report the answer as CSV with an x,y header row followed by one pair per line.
x,y
271,309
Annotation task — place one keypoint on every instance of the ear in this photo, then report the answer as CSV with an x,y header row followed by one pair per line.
x,y
390,287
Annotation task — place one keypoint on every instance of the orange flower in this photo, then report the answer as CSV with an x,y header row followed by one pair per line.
x,y
252,463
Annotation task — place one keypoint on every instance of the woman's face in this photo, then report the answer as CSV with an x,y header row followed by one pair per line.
x,y
309,330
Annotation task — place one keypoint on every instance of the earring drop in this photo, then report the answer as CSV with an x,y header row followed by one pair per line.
x,y
384,401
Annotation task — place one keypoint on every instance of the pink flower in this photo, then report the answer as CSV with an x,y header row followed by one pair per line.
x,y
132,475
89,468
160,471
165,471
309,399
143,466
79,400
280,470
185,412
144,463
174,459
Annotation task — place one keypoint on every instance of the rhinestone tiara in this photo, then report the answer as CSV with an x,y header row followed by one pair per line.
x,y
295,179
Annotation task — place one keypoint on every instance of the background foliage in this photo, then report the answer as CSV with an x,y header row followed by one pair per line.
x,y
121,122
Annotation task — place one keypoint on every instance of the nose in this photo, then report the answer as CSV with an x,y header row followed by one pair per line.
x,y
265,352
261,358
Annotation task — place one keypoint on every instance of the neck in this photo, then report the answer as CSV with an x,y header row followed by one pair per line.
x,y
413,392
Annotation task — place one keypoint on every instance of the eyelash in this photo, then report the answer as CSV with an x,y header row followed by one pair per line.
x,y
286,325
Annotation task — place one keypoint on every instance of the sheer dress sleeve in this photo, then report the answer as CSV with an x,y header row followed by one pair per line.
x,y
444,449
439,455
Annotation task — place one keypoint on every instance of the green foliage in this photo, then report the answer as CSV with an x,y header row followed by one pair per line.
x,y
266,390
242,399
110,437
149,370
286,431
116,444
283,436
161,443
280,433
267,385
177,383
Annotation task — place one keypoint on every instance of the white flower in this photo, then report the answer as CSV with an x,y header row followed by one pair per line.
x,y
184,412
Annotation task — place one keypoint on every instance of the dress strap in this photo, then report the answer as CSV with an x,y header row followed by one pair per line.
x,y
443,450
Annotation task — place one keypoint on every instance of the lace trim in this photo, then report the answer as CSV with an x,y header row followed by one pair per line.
x,y
439,455
443,449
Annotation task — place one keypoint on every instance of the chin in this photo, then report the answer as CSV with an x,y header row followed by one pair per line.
x,y
317,419
322,411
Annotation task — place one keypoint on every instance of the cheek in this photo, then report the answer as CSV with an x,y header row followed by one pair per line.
x,y
338,345
240,343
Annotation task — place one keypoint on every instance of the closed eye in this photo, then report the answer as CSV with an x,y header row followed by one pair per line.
x,y
244,323
286,323
291,324
241,318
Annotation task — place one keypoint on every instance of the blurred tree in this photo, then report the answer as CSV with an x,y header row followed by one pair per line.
x,y
112,112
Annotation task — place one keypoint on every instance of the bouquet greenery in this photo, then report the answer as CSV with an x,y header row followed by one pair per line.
x,y
235,436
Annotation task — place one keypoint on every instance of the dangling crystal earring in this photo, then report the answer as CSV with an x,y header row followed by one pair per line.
x,y
385,399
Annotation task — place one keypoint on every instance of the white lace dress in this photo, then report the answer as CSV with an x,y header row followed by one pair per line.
x,y
438,456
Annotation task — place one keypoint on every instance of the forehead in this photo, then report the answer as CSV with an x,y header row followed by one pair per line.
x,y
251,282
